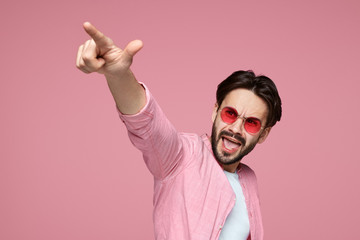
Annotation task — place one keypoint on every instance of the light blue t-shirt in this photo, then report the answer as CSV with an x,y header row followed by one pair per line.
x,y
237,226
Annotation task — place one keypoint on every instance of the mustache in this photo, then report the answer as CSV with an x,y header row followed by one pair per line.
x,y
236,136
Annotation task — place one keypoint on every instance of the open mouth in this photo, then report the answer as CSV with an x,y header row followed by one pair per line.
x,y
230,145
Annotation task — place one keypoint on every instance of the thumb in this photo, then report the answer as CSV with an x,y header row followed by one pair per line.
x,y
133,47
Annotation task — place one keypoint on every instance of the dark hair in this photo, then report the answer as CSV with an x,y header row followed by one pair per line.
x,y
261,85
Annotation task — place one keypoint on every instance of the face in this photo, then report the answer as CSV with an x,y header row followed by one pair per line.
x,y
230,141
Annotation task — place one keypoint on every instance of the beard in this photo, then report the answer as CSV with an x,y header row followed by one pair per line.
x,y
225,158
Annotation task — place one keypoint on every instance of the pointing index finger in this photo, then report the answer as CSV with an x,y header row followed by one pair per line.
x,y
100,39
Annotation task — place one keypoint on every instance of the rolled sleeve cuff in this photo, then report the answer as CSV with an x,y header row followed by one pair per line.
x,y
144,114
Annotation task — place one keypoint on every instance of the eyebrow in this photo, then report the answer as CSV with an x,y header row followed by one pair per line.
x,y
245,116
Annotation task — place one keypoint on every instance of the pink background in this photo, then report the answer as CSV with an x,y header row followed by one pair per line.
x,y
67,169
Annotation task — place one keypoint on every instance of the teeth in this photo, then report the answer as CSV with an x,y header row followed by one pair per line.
x,y
229,144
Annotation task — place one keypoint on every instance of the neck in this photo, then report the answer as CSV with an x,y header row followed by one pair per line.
x,y
231,168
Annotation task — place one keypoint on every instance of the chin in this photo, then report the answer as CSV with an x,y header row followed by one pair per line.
x,y
228,159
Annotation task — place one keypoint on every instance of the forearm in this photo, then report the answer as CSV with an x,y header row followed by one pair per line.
x,y
128,94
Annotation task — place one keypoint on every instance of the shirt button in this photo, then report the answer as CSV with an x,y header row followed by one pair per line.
x,y
220,227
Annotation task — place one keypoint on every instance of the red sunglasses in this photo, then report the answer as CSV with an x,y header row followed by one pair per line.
x,y
251,124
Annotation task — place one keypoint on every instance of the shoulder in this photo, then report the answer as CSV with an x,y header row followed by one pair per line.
x,y
245,168
247,172
194,148
191,141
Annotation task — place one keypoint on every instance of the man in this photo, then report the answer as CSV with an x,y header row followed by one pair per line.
x,y
202,191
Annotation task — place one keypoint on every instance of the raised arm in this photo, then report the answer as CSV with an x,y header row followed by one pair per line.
x,y
100,54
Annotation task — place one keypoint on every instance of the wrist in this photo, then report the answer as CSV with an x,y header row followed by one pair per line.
x,y
120,75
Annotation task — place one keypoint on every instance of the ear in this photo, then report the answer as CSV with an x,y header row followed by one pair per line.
x,y
214,113
264,134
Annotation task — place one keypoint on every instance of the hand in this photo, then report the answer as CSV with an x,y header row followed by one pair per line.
x,y
99,54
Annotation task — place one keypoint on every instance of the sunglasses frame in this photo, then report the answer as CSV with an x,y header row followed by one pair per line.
x,y
237,117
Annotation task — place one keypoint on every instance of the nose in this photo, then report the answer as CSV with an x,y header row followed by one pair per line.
x,y
237,126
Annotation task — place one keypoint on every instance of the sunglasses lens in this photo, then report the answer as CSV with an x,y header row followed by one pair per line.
x,y
229,115
252,125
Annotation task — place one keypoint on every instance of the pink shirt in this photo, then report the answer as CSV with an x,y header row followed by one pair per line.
x,y
192,196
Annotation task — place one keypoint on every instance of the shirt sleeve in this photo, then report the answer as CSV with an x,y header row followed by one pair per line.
x,y
151,132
